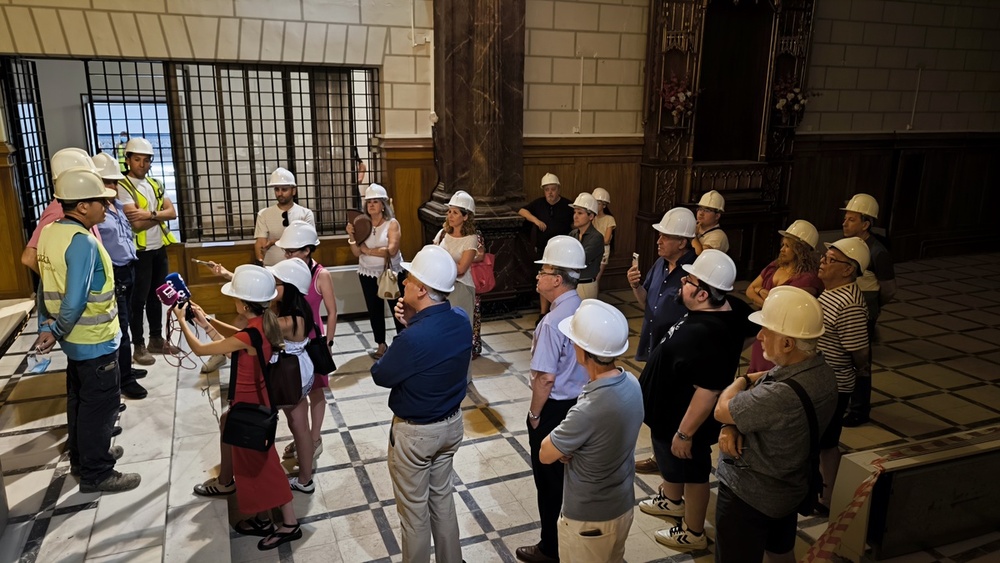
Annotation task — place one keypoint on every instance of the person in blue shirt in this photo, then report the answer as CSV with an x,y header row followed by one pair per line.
x,y
425,368
77,308
116,236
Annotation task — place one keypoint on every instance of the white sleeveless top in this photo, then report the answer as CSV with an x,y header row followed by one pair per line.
x,y
373,266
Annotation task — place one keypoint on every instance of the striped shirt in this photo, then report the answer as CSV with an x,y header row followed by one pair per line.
x,y
845,320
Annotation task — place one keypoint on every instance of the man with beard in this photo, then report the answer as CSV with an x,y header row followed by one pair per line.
x,y
663,282
680,384
765,443
271,222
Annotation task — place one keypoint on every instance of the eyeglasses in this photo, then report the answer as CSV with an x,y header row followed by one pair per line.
x,y
284,221
544,273
290,251
826,258
687,280
707,210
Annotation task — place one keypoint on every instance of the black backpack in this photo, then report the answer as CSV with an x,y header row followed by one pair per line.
x,y
808,504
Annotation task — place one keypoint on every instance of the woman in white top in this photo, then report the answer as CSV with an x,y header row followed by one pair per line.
x,y
459,238
605,224
374,253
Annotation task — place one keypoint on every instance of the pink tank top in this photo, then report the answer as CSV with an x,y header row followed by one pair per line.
x,y
313,298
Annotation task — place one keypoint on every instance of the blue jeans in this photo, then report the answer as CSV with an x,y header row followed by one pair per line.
x,y
92,397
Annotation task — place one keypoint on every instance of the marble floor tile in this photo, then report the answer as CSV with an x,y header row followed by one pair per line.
x,y
33,449
135,519
67,537
13,538
197,533
25,491
194,460
148,555
937,376
33,415
50,384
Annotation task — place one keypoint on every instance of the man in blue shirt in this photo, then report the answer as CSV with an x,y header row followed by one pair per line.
x,y
425,368
76,307
556,382
116,235
657,296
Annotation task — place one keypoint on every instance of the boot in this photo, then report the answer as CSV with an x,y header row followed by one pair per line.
x,y
159,346
142,356
214,363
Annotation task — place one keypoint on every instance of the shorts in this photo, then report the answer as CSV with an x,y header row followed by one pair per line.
x,y
676,470
831,437
743,533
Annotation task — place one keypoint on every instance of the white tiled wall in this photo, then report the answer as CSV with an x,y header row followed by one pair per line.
x,y
866,56
583,67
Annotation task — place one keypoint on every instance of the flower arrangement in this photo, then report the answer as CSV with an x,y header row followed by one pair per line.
x,y
790,100
678,99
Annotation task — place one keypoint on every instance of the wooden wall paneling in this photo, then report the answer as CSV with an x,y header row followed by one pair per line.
x,y
16,280
409,178
620,176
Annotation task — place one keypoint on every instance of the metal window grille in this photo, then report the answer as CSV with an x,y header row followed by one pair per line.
x,y
27,134
229,126
131,98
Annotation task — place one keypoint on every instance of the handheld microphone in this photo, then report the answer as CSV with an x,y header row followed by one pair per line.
x,y
175,280
167,295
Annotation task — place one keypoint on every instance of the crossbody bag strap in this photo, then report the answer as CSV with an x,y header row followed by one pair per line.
x,y
257,341
810,415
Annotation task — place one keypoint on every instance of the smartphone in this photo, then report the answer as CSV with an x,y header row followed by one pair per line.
x,y
203,263
635,258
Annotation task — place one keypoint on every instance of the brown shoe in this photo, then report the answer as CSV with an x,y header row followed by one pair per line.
x,y
533,554
647,466
142,356
160,346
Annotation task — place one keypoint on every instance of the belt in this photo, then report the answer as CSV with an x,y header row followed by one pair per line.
x,y
591,280
442,419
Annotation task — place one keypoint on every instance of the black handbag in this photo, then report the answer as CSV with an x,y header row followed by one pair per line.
x,y
283,377
320,354
249,425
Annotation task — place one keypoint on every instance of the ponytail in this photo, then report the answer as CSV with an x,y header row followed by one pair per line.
x,y
272,330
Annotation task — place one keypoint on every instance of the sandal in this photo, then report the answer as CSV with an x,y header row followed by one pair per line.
x,y
281,537
255,527
289,452
377,353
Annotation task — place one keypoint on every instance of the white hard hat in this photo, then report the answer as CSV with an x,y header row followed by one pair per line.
x,y
863,204
715,268
564,251
298,235
601,194
598,328
550,178
434,267
802,230
586,202
463,200
678,222
293,271
107,166
72,157
855,249
713,200
138,145
791,311
81,183
375,191
281,177
252,284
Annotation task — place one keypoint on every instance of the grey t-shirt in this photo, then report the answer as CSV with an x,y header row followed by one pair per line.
x,y
600,432
776,436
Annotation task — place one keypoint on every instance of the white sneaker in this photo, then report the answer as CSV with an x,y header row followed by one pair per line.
x,y
307,488
680,537
660,505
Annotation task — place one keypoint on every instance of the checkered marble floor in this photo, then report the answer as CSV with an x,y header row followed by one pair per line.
x,y
937,368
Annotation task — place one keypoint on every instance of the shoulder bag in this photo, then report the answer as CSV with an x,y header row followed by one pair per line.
x,y
388,286
249,425
815,480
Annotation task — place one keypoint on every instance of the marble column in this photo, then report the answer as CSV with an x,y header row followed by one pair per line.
x,y
478,98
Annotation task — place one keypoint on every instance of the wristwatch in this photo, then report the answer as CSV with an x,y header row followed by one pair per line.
x,y
533,416
684,437
153,215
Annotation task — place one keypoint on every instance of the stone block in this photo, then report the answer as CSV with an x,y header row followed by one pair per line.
x,y
622,19
567,71
838,78
386,12
827,55
867,10
970,102
884,101
295,40
934,80
895,121
846,32
577,16
928,14
539,14
910,35
176,35
944,101
854,101
989,82
423,68
630,98
272,40
101,33
201,7
880,34
954,121
891,57
986,18
866,122
78,38
332,11
951,59
957,16
53,3
537,70
821,31
552,43
398,69
616,123
619,72
154,6
828,102
940,38
833,11
550,97
357,42
596,97
961,80
53,40
969,38
228,44
23,31
927,121
411,96
566,122
375,50
336,43
926,58
268,10
835,122
816,78
315,45
203,32
250,39
536,122
898,12
633,46
400,122
127,32
601,45
873,78
978,60
860,56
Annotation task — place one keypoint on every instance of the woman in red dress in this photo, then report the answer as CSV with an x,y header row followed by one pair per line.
x,y
262,482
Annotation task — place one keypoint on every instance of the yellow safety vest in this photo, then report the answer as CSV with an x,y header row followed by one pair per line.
x,y
140,202
99,322
120,150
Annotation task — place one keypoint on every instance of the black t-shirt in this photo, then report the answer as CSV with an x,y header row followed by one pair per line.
x,y
558,219
702,349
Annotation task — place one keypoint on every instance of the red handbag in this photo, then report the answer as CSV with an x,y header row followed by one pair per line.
x,y
482,274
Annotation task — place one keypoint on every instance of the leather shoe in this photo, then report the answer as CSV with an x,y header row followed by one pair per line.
x,y
533,554
139,373
853,420
647,466
133,390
